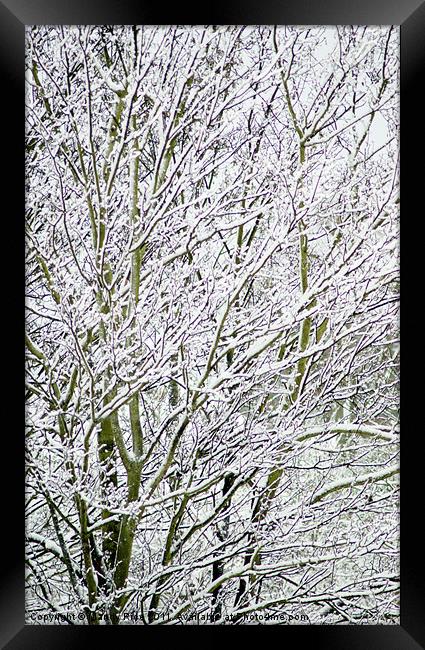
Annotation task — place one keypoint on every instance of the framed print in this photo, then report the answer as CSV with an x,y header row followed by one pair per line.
x,y
213,247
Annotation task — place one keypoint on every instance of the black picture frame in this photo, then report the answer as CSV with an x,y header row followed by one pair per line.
x,y
410,16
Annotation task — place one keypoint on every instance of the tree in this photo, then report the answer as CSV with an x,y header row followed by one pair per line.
x,y
212,334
